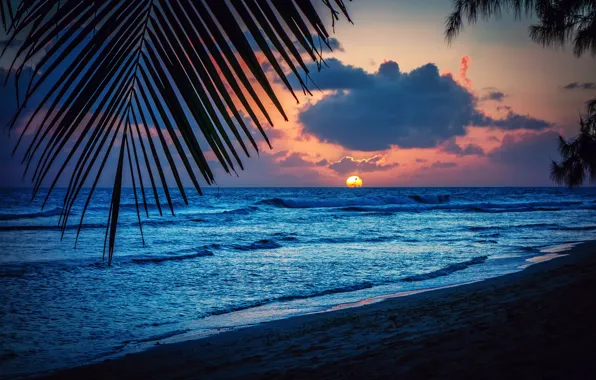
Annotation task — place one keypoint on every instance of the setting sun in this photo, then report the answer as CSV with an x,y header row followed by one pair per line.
x,y
354,181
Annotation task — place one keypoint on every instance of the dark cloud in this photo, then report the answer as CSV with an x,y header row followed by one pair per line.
x,y
419,109
527,150
580,86
515,121
338,76
504,108
335,44
525,158
443,165
389,70
450,146
494,138
497,96
351,165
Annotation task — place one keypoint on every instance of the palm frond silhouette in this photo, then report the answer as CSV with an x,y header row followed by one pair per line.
x,y
110,69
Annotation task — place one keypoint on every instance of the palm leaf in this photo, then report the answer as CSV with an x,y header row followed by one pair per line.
x,y
116,70
559,22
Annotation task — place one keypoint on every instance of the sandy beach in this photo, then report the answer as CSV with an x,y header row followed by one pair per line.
x,y
537,323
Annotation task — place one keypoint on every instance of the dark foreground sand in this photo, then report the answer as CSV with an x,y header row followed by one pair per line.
x,y
539,323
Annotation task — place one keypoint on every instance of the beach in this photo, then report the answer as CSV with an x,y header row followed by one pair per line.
x,y
536,323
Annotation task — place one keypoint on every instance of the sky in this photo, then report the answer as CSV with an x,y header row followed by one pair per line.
x,y
398,106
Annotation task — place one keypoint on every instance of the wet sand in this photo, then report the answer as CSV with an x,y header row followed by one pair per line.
x,y
537,323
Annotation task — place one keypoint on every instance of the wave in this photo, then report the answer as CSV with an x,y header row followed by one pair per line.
x,y
430,199
521,206
293,297
500,228
40,214
343,289
133,206
12,274
535,225
174,257
418,203
155,324
50,227
242,211
257,245
446,270
355,202
579,228
495,235
529,249
514,209
73,265
343,239
484,228
285,236
161,336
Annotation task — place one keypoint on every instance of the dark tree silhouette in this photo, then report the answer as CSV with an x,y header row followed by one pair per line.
x,y
579,156
110,69
560,22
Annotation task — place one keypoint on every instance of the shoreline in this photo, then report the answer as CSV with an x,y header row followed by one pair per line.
x,y
549,252
265,349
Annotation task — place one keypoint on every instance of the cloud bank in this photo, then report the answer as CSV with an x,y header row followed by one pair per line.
x,y
419,109
349,165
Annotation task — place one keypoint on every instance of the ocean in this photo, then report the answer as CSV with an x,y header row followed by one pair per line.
x,y
236,257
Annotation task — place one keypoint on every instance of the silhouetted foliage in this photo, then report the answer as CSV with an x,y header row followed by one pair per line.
x,y
110,69
579,156
560,22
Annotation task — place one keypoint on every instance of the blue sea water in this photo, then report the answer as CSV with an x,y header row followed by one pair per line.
x,y
236,257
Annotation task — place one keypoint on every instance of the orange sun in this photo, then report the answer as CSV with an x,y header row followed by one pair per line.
x,y
354,181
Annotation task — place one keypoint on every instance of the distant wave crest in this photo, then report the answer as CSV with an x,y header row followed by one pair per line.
x,y
40,214
257,245
242,211
354,202
50,227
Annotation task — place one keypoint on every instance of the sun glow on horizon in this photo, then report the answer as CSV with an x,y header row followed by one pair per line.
x,y
354,181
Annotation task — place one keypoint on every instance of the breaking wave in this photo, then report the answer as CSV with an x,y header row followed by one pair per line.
x,y
174,257
293,297
446,270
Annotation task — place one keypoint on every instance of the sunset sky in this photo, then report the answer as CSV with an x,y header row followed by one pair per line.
x,y
399,107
